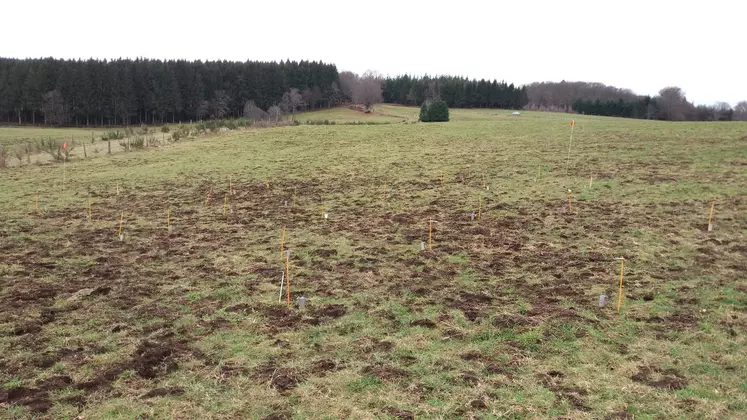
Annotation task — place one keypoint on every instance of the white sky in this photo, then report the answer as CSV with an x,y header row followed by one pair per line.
x,y
641,45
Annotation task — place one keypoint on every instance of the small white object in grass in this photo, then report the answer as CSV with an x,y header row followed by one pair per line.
x,y
603,300
121,237
710,227
301,301
326,215
286,203
422,246
487,187
472,216
287,254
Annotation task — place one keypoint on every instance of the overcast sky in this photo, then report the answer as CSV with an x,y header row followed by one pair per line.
x,y
641,45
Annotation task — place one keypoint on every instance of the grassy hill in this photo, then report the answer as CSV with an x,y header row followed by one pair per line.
x,y
497,317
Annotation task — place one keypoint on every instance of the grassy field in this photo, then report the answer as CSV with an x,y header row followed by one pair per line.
x,y
499,319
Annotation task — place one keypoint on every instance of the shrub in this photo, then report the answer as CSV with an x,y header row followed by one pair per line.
x,y
113,135
424,117
165,129
434,111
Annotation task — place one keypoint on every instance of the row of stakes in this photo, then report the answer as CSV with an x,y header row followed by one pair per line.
x,y
285,279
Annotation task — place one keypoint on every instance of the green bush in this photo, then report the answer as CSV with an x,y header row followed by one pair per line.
x,y
165,129
424,117
434,111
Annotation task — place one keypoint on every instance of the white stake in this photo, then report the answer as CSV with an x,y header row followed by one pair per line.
x,y
282,280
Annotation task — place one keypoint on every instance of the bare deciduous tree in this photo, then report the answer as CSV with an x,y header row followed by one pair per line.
x,y
219,104
275,112
673,104
433,92
253,112
740,111
368,89
202,109
53,106
348,80
292,101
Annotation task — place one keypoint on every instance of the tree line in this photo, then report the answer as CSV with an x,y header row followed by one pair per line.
x,y
598,99
457,92
124,91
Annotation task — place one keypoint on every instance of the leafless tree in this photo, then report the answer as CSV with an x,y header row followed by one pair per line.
x,y
368,90
53,106
275,112
673,104
253,112
433,92
219,104
740,111
202,109
348,81
722,111
412,97
292,101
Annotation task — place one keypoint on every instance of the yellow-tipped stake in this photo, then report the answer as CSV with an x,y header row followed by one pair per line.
x,y
620,294
282,242
710,227
569,201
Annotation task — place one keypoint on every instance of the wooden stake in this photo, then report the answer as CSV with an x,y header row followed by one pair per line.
x,y
225,204
484,181
282,242
710,227
538,174
620,294
442,178
591,178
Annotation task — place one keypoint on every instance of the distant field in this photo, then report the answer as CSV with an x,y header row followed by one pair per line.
x,y
10,136
499,319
